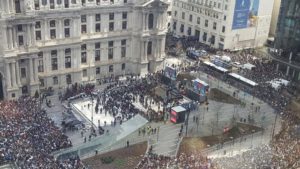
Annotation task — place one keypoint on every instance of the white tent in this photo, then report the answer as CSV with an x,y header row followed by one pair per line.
x,y
248,66
226,58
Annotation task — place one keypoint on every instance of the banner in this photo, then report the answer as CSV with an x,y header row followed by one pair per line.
x,y
245,14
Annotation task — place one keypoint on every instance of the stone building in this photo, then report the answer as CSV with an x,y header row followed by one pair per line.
x,y
54,43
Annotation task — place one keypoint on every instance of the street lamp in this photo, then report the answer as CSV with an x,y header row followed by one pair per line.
x,y
187,120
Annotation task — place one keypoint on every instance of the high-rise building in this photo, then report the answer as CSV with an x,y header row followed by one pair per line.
x,y
287,39
223,24
54,43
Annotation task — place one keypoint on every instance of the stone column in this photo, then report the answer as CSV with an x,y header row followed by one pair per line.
x,y
18,73
13,76
142,21
46,29
5,40
29,38
277,67
9,38
14,41
31,76
145,50
142,51
146,20
60,29
91,24
13,6
8,76
287,70
33,40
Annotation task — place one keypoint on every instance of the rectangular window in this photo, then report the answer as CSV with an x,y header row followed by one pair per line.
x,y
198,20
110,53
53,33
189,32
149,48
206,23
84,73
40,62
223,29
42,82
23,72
182,28
69,79
215,26
97,51
41,66
98,17
67,32
38,35
110,43
37,5
68,58
212,39
38,25
21,40
204,36
83,57
124,15
111,26
111,68
191,18
54,59
67,22
98,27
123,66
66,3
111,16
54,63
19,28
55,80
83,18
124,25
83,29
97,70
183,15
123,51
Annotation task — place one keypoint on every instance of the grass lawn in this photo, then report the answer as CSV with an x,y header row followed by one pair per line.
x,y
124,158
219,96
191,145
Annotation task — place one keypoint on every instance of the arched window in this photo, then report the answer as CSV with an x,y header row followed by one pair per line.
x,y
150,21
149,48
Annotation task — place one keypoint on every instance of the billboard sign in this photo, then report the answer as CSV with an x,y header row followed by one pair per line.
x,y
200,87
245,14
170,72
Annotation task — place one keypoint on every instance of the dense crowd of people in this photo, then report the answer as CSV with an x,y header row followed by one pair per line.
x,y
188,161
28,136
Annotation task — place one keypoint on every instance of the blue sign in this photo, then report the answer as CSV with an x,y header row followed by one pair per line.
x,y
245,13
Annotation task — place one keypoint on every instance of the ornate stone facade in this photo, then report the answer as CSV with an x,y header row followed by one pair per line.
x,y
53,43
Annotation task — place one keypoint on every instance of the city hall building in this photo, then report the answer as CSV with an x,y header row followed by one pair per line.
x,y
223,24
54,43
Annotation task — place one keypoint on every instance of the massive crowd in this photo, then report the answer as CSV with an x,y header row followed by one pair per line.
x,y
28,136
191,161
